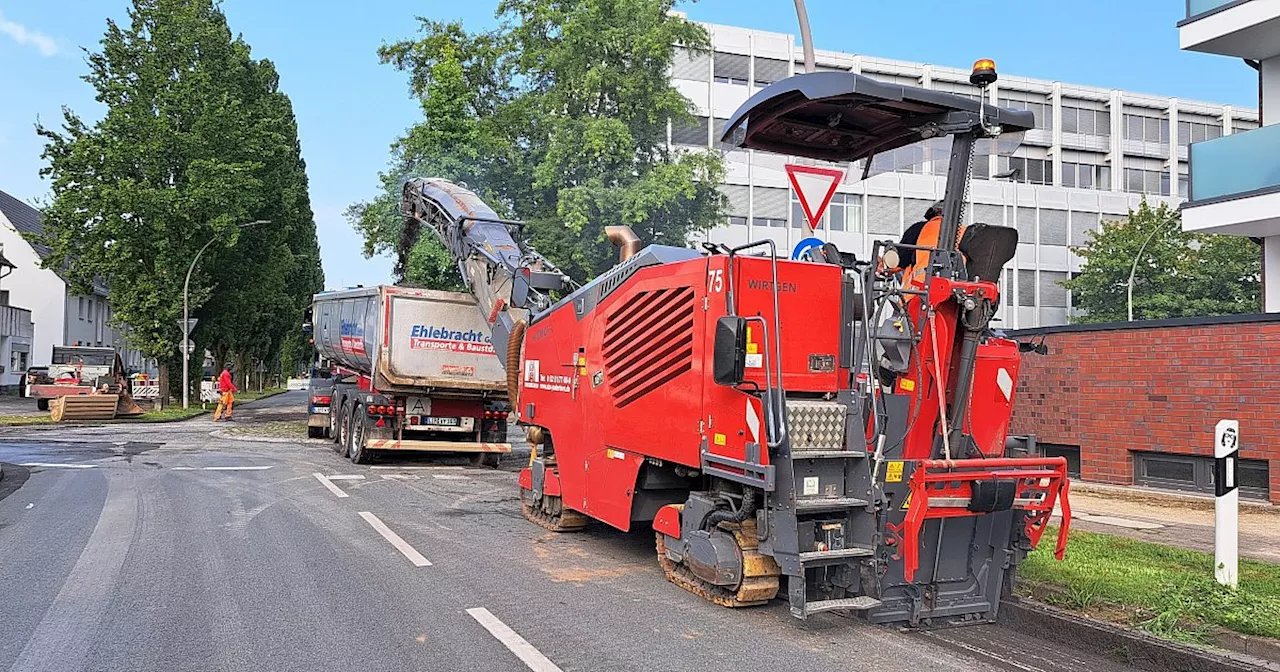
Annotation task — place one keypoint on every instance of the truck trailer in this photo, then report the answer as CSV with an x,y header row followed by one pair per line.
x,y
413,370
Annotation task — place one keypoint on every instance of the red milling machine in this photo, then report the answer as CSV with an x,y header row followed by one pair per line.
x,y
815,420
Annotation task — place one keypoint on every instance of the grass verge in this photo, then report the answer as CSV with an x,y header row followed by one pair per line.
x,y
20,420
1169,592
278,429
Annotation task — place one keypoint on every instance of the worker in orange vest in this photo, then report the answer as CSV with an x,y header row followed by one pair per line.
x,y
925,236
226,394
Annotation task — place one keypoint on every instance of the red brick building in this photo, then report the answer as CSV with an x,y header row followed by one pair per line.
x,y
1136,402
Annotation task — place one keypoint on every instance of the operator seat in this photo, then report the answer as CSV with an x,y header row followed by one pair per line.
x,y
986,249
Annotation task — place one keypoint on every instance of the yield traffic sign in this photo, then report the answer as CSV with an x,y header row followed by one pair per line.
x,y
188,326
814,186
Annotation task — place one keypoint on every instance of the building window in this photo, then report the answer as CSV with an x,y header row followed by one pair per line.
x,y
1007,289
737,200
686,64
1027,289
4,297
17,362
1194,131
1195,473
845,213
80,307
1242,125
1036,103
1053,227
769,222
1072,453
1146,129
769,70
883,216
1081,224
737,221
1086,122
1086,176
693,132
1030,171
731,68
1139,181
1052,293
1026,222
1183,186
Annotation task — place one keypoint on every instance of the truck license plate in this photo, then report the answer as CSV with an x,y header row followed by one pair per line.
x,y
439,422
321,410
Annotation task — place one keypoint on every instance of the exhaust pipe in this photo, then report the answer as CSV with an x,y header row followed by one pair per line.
x,y
626,240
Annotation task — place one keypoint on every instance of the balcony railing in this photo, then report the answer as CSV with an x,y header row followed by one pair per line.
x,y
15,322
1198,7
1236,165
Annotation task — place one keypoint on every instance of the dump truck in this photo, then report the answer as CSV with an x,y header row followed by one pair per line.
x,y
412,370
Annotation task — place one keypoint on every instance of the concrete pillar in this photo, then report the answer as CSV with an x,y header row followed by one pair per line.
x,y
1172,163
1271,91
1271,274
1055,153
1117,141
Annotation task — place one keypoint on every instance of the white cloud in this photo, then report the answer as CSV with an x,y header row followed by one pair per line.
x,y
23,36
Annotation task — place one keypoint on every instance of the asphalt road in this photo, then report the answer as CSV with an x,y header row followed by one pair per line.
x,y
161,547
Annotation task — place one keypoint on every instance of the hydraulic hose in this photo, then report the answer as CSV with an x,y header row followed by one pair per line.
x,y
513,361
722,516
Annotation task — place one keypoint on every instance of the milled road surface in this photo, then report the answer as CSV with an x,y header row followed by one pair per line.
x,y
162,548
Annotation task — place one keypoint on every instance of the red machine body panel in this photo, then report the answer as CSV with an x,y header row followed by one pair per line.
x,y
631,379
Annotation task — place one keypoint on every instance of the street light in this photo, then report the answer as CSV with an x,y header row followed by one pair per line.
x,y
1134,269
186,319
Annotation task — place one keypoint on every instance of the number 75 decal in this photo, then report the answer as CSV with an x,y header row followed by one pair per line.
x,y
715,280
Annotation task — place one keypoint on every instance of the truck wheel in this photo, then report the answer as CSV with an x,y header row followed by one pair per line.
x,y
356,449
334,417
42,404
344,430
490,460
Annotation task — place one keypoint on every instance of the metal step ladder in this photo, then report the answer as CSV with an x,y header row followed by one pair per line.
x,y
826,531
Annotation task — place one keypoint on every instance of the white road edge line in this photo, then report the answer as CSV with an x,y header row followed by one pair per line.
x,y
345,477
329,484
235,468
513,641
401,545
55,464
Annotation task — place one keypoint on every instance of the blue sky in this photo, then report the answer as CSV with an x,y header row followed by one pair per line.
x,y
350,108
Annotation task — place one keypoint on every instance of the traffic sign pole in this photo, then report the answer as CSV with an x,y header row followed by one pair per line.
x,y
1226,503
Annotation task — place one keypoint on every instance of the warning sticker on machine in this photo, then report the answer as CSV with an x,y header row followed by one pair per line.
x,y
893,472
810,485
535,379
755,361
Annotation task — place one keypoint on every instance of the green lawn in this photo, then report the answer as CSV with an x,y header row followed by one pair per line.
x,y
17,420
1167,591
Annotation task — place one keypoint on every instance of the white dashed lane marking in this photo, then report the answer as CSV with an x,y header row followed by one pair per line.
x,y
58,466
401,545
324,480
518,645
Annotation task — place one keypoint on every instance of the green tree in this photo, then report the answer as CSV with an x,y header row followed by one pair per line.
x,y
1178,274
558,117
196,140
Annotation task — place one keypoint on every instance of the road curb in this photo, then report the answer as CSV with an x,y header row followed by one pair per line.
x,y
1131,647
126,421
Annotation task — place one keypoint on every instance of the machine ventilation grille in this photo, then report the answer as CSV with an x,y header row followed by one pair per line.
x,y
648,341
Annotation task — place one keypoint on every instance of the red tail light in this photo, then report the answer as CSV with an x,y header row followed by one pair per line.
x,y
321,401
372,410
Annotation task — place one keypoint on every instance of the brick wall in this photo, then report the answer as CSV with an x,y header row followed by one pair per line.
x,y
1159,385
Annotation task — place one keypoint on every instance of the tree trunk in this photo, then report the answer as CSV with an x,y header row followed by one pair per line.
x,y
163,395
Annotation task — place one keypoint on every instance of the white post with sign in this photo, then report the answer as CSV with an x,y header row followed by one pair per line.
x,y
1226,534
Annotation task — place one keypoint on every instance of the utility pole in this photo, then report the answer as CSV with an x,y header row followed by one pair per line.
x,y
186,316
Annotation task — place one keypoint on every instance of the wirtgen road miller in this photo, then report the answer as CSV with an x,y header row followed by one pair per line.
x,y
769,418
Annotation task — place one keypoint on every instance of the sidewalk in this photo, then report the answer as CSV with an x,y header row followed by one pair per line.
x,y
1184,521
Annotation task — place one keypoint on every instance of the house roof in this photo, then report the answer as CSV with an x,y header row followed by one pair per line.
x,y
26,220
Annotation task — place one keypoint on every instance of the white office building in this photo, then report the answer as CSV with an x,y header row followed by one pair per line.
x,y
1094,154
1235,180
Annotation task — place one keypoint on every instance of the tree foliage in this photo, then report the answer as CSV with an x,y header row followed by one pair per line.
x,y
197,139
559,117
1178,274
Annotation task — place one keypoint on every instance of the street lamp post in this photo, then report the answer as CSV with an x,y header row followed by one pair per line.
x,y
186,316
1134,269
806,40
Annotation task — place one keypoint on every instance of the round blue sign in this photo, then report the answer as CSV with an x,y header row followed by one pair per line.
x,y
804,250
